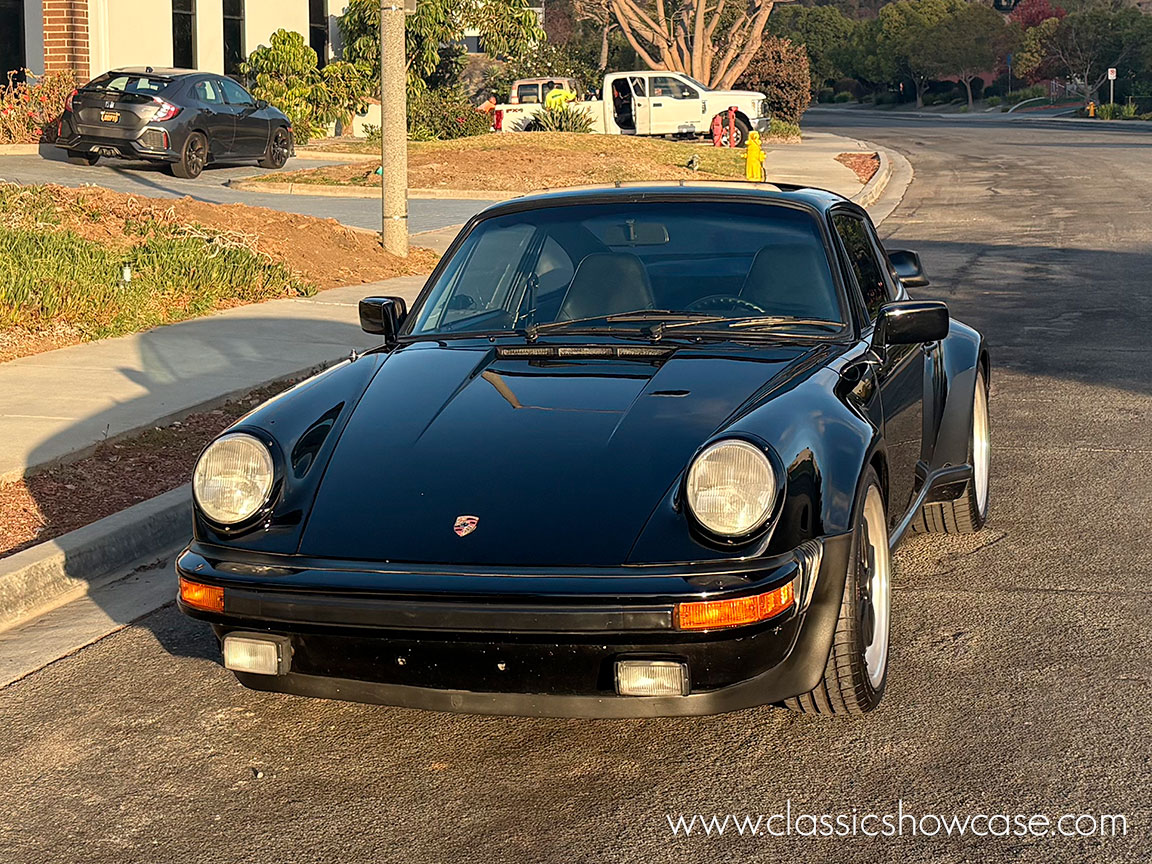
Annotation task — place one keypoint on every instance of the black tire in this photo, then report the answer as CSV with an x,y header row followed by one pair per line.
x,y
79,157
742,130
848,686
193,157
278,149
968,513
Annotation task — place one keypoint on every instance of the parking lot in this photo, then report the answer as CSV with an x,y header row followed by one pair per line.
x,y
1021,655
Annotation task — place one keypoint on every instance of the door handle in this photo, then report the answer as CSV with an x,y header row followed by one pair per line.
x,y
657,104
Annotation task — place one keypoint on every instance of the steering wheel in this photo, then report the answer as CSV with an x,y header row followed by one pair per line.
x,y
724,303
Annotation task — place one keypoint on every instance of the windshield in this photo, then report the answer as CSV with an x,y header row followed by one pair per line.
x,y
635,264
704,87
145,85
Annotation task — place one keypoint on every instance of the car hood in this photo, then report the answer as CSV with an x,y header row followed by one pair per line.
x,y
737,94
560,463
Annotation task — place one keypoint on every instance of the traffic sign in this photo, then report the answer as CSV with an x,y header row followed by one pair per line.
x,y
1111,73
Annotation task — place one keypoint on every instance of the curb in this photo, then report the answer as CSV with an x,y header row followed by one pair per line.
x,y
19,149
875,187
322,191
54,572
336,155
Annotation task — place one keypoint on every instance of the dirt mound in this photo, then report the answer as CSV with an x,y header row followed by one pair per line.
x,y
321,250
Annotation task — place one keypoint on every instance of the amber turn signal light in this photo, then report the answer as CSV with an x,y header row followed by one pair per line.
x,y
715,614
198,596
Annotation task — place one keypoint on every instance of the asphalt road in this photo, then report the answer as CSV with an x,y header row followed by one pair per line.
x,y
143,178
1021,657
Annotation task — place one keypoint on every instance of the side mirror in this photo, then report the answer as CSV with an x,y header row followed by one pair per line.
x,y
910,322
383,316
907,266
261,104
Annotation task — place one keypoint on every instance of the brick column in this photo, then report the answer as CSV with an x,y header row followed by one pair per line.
x,y
66,37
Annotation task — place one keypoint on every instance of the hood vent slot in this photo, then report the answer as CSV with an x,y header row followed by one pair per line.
x,y
583,352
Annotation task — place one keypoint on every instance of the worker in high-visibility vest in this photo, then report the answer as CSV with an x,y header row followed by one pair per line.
x,y
558,97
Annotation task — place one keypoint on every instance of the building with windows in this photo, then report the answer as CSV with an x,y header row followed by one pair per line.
x,y
92,36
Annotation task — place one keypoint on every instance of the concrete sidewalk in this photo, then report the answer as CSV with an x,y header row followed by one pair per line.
x,y
59,404
813,162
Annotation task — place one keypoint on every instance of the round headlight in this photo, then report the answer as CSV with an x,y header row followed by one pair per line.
x,y
233,478
731,488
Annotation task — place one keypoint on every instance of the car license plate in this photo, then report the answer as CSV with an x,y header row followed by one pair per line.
x,y
110,116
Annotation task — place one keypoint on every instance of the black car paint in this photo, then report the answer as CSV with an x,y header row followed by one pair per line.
x,y
234,132
578,491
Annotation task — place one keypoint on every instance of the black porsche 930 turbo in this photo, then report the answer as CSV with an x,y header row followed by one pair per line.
x,y
634,451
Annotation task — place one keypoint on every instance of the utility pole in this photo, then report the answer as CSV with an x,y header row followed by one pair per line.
x,y
393,130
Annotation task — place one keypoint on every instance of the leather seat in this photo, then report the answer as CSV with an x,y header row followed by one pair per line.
x,y
606,283
792,279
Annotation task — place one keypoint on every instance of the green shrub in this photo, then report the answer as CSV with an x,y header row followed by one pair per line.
x,y
1128,112
841,98
778,128
1108,111
1147,116
825,94
566,118
443,114
887,98
993,101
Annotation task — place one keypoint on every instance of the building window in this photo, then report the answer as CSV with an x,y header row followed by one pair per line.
x,y
318,30
184,34
11,40
233,36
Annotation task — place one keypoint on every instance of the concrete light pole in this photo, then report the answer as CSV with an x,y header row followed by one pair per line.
x,y
393,130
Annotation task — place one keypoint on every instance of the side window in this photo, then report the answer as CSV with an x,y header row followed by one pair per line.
x,y
637,85
486,278
866,266
666,85
234,93
209,92
528,93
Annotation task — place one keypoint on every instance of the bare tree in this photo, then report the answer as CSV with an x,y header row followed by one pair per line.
x,y
712,41
599,12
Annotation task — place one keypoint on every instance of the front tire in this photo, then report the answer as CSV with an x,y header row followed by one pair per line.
x,y
968,513
857,669
79,157
193,157
276,154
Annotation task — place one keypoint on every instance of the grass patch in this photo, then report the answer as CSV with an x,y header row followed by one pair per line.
x,y
53,277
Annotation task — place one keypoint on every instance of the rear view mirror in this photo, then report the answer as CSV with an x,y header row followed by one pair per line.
x,y
633,233
907,265
383,316
911,322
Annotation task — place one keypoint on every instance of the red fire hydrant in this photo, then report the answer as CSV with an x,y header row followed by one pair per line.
x,y
717,131
732,126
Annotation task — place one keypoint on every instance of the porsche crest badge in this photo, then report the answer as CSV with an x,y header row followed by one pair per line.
x,y
465,525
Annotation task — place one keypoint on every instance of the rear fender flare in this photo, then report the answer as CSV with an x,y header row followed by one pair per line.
x,y
963,354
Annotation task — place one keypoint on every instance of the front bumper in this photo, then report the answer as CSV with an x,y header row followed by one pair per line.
x,y
543,643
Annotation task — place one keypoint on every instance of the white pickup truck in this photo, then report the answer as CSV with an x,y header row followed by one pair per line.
x,y
655,103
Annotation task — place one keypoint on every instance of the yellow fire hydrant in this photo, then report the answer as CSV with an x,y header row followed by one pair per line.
x,y
754,158
1091,109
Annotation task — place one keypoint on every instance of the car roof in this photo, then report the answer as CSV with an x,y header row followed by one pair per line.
x,y
637,190
158,71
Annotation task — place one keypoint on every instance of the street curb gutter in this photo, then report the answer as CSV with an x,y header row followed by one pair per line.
x,y
55,572
322,191
875,187
19,149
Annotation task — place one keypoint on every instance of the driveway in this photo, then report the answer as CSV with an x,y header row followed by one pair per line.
x,y
143,178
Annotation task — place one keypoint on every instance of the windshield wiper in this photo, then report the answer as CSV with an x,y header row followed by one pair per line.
x,y
782,321
639,315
